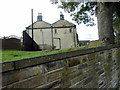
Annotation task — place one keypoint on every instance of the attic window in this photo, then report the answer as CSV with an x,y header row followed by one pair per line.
x,y
55,31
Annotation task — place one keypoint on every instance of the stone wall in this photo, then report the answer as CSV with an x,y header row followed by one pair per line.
x,y
86,68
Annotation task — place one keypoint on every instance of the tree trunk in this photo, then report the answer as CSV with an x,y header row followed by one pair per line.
x,y
105,28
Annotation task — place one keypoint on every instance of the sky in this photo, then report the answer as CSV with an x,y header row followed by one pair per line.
x,y
16,16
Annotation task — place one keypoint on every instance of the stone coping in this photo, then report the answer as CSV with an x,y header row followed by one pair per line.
x,y
38,60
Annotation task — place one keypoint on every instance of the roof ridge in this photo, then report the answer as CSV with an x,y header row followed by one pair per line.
x,y
64,20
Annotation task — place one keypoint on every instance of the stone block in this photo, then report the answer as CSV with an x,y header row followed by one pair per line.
x,y
94,83
75,69
18,75
101,84
88,80
74,62
78,85
7,66
53,65
76,79
54,75
84,65
91,57
84,59
91,63
51,85
26,62
31,82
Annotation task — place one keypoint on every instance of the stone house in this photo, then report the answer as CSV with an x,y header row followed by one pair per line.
x,y
61,34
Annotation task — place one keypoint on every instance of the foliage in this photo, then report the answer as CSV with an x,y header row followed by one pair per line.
x,y
93,44
81,12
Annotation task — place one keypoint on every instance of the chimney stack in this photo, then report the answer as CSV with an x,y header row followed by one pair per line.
x,y
39,17
61,16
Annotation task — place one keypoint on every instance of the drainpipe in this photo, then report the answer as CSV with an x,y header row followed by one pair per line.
x,y
75,39
60,42
52,37
42,38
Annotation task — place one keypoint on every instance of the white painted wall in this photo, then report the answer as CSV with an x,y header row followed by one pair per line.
x,y
62,39
42,37
66,37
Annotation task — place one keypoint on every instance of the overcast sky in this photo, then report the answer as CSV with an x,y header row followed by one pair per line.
x,y
15,16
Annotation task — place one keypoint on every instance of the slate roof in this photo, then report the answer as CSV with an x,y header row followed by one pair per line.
x,y
63,23
40,24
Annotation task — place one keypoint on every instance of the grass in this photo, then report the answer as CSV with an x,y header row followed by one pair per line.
x,y
93,44
13,54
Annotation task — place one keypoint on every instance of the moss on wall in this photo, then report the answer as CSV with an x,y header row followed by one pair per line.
x,y
80,69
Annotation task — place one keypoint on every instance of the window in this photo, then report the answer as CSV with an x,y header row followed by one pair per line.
x,y
70,30
55,31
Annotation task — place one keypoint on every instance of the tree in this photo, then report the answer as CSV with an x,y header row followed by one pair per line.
x,y
110,14
83,12
105,27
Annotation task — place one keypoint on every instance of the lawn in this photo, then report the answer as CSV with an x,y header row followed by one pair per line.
x,y
12,54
